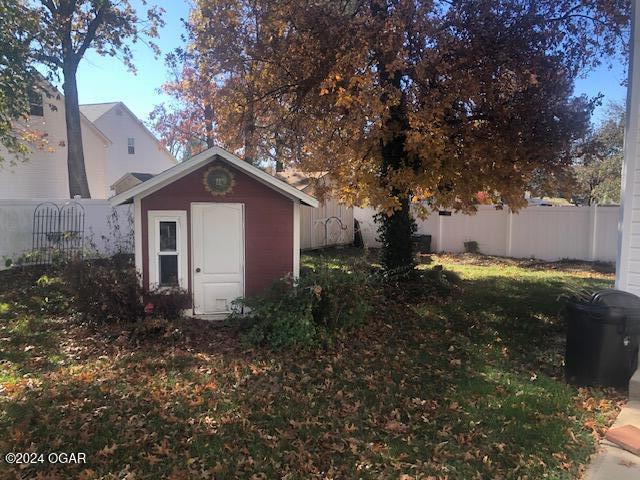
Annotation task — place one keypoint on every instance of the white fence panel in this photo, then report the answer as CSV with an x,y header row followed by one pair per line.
x,y
104,232
606,234
546,233
487,228
369,229
427,227
339,225
551,233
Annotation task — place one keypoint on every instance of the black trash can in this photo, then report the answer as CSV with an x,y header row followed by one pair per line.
x,y
602,339
421,243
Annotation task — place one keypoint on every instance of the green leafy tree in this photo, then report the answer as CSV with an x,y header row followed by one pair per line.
x,y
67,30
18,28
599,169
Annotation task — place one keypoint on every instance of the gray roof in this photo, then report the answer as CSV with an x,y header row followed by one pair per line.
x,y
143,177
93,111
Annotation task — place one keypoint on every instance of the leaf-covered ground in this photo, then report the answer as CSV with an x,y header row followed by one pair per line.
x,y
469,388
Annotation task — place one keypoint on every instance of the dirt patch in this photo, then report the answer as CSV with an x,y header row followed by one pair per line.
x,y
573,266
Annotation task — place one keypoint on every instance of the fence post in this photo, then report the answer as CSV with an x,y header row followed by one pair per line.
x,y
509,232
593,231
440,241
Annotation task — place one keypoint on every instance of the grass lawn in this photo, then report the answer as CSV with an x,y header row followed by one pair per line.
x,y
459,389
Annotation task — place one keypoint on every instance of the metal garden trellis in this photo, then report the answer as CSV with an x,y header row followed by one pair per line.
x,y
336,232
58,232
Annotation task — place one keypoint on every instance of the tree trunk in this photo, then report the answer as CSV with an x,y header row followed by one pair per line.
x,y
278,154
250,144
208,125
395,230
78,184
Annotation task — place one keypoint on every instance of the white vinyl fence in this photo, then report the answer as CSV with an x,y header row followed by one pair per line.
x,y
106,231
328,225
546,233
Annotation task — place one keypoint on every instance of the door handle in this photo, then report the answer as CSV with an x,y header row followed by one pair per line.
x,y
198,270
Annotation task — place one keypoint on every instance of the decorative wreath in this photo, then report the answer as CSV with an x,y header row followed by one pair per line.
x,y
218,180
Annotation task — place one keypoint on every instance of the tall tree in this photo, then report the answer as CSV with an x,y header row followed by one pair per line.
x,y
237,67
18,28
408,101
67,30
187,126
599,168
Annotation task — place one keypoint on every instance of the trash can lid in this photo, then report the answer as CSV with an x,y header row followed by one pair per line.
x,y
616,298
619,306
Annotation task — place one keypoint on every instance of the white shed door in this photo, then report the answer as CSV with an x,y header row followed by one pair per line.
x,y
217,231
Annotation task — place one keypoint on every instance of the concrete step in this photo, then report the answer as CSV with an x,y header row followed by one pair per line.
x,y
612,462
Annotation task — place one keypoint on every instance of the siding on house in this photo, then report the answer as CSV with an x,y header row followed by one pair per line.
x,y
119,124
44,173
628,264
268,223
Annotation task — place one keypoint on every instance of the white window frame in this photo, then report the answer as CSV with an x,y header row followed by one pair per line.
x,y
154,219
131,145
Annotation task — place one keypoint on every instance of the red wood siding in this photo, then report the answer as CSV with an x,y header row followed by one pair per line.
x,y
268,223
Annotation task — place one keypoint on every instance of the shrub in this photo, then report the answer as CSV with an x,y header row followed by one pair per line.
x,y
298,313
104,290
341,298
108,290
281,317
31,290
49,292
168,304
471,247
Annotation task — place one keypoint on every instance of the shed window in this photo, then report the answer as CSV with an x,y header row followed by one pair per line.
x,y
131,145
168,253
168,270
168,249
168,237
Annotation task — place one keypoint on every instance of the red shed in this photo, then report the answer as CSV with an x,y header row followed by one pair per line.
x,y
216,226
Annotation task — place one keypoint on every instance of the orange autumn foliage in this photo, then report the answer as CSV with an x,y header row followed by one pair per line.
x,y
477,93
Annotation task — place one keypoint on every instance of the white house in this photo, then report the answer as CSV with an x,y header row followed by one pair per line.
x,y
115,142
134,148
44,173
628,262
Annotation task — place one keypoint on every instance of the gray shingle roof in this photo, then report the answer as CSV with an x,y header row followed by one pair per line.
x,y
143,177
93,111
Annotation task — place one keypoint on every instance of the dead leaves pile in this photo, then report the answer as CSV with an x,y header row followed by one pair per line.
x,y
402,397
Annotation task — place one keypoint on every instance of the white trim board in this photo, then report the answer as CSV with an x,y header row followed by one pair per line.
x,y
296,239
180,217
630,162
182,169
137,237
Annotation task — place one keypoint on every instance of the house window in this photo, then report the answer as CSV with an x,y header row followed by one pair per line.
x,y
131,145
167,249
36,106
168,254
